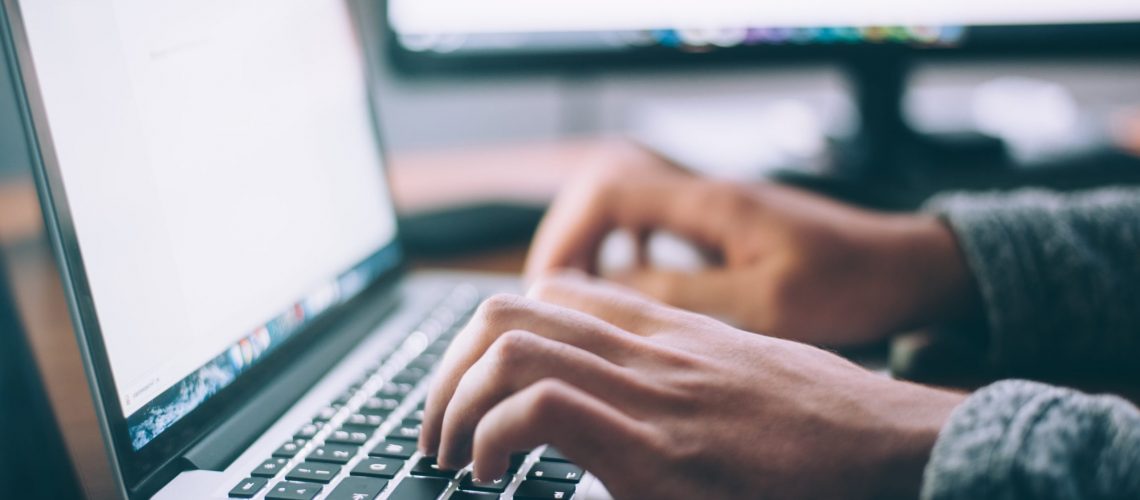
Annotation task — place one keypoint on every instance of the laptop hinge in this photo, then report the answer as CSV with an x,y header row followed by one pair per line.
x,y
219,448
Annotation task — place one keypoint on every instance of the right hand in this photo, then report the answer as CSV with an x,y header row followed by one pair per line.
x,y
662,403
788,263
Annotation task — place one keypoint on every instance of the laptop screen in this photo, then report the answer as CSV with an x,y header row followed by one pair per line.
x,y
224,181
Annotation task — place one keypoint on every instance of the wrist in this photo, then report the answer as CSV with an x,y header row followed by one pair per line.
x,y
933,271
917,417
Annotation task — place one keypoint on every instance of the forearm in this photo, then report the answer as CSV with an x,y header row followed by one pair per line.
x,y
1057,276
1017,439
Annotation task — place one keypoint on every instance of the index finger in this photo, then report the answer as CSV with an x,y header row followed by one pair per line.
x,y
499,315
594,434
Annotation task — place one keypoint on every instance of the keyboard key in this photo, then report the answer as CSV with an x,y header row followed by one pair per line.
x,y
248,487
534,489
358,488
473,495
333,453
365,420
307,431
496,485
368,429
379,406
425,361
517,460
408,429
314,472
385,468
325,414
419,488
417,415
293,491
438,347
552,455
394,390
394,448
343,399
269,468
364,378
427,467
350,435
289,449
555,471
410,375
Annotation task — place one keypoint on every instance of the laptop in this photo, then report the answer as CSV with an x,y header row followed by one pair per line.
x,y
215,191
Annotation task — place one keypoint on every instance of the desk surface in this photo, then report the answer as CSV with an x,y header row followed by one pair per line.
x,y
416,181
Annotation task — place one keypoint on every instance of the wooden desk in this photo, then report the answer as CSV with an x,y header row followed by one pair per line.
x,y
421,181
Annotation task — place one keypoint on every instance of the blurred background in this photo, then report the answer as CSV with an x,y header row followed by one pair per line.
x,y
738,106
729,106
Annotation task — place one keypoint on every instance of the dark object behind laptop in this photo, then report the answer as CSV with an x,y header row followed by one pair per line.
x,y
33,461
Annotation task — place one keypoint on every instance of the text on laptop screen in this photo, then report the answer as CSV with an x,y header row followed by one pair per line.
x,y
223,177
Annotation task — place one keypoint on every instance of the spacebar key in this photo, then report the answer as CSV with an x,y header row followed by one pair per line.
x,y
419,488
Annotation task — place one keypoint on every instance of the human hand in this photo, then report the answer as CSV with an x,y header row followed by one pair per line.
x,y
786,262
663,403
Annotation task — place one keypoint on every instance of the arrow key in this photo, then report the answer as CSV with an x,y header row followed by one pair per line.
x,y
358,488
293,491
556,471
314,472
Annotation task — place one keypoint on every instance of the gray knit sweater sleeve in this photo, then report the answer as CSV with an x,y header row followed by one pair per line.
x,y
1059,277
1024,440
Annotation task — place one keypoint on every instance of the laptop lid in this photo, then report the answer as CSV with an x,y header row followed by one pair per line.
x,y
212,178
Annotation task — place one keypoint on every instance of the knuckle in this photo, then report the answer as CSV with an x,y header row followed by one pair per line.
x,y
683,454
598,192
547,398
728,200
678,359
735,199
499,309
512,348
546,286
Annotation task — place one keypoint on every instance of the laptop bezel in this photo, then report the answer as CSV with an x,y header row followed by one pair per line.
x,y
161,456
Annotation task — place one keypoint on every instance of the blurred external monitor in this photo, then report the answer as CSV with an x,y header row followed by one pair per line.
x,y
458,33
875,41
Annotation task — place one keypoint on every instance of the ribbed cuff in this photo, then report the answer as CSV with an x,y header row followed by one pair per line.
x,y
994,253
976,450
1024,440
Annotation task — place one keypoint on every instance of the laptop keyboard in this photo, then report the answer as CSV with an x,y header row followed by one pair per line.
x,y
362,446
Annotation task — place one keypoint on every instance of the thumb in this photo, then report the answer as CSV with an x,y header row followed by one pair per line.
x,y
714,292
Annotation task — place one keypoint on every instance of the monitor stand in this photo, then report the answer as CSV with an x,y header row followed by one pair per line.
x,y
886,147
889,165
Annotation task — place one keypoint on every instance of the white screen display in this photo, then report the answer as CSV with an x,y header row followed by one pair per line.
x,y
220,164
530,16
